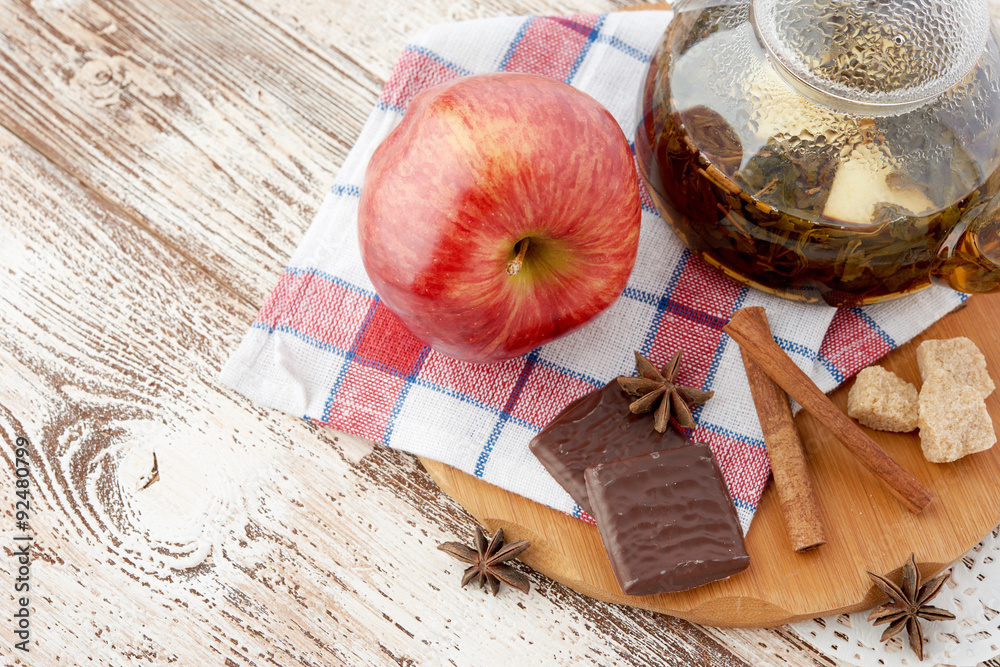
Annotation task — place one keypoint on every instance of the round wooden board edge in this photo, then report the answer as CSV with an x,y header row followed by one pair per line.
x,y
720,612
493,507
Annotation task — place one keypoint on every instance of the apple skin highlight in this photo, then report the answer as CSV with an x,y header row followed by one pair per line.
x,y
476,166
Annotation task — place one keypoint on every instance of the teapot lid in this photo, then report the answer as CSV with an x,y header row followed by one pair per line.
x,y
872,53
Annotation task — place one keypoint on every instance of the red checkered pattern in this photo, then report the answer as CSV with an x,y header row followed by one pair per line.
x,y
545,392
325,347
301,302
490,386
552,46
851,342
362,397
416,70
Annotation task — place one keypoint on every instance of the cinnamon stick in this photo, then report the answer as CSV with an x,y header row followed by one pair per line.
x,y
799,509
749,328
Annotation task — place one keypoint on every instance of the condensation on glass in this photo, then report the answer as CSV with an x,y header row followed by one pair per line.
x,y
845,151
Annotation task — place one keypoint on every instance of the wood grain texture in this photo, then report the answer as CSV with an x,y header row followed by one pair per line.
x,y
199,116
264,539
867,528
162,161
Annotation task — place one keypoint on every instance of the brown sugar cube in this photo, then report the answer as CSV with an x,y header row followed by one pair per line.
x,y
958,358
881,400
953,420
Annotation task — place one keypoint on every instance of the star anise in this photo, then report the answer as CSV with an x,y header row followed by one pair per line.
x,y
656,389
487,559
907,603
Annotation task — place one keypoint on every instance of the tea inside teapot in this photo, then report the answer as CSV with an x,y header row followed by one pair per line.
x,y
843,150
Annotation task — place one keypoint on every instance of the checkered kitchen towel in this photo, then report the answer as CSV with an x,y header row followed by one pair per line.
x,y
325,348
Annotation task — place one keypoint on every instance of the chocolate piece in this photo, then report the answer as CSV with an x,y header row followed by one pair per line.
x,y
596,428
667,521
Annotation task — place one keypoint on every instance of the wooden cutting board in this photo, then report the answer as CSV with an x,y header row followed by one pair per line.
x,y
867,529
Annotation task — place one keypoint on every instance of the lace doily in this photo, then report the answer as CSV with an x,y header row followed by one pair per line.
x,y
972,593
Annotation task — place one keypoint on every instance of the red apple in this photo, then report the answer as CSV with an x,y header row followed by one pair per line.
x,y
501,213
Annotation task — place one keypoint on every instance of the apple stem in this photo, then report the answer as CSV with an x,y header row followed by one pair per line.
x,y
514,265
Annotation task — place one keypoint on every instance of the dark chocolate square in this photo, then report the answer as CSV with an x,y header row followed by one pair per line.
x,y
667,520
596,428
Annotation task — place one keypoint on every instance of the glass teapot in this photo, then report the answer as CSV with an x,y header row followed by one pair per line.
x,y
837,150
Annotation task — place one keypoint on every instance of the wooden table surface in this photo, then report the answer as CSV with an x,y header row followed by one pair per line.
x,y
159,162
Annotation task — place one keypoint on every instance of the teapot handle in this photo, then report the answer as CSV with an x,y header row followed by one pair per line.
x,y
968,260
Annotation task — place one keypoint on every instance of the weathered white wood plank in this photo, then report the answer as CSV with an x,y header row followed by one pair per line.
x,y
217,131
263,539
201,118
207,134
